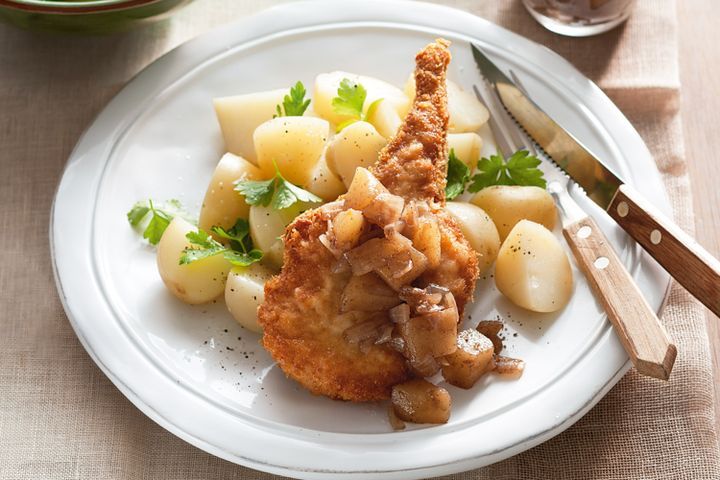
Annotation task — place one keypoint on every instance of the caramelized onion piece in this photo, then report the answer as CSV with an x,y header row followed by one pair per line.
x,y
424,366
329,244
368,330
491,329
424,300
394,259
400,314
385,209
395,422
428,239
472,359
363,189
347,229
386,334
367,293
431,335
419,401
509,367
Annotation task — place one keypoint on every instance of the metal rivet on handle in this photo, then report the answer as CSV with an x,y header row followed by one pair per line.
x,y
655,236
584,232
601,263
623,209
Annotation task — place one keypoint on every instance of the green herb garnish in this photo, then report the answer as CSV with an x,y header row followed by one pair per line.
x,y
519,169
293,105
349,102
277,192
160,217
458,174
239,250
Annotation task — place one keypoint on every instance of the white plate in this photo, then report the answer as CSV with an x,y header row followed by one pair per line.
x,y
159,138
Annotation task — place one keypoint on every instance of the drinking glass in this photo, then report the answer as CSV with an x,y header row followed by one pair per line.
x,y
579,18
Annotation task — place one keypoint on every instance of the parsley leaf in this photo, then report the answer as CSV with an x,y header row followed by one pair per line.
x,y
238,236
349,102
160,218
458,174
240,252
257,192
277,192
294,104
287,194
137,213
519,169
350,99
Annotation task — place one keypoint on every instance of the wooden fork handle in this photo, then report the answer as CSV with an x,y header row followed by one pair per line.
x,y
688,263
637,326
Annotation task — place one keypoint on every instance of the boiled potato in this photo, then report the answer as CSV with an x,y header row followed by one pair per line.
x,y
419,401
467,114
222,205
324,183
267,227
244,292
199,282
385,119
470,361
466,146
240,115
507,205
357,145
533,270
294,144
326,87
479,230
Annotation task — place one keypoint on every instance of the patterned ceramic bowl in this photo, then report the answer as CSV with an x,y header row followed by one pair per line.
x,y
84,16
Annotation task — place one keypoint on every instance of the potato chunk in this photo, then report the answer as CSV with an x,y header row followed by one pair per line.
x,y
222,205
479,229
324,183
466,146
294,144
470,361
199,282
385,119
267,226
419,401
244,292
533,270
240,115
467,114
507,205
326,87
357,145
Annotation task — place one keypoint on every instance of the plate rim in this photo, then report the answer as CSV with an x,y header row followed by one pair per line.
x,y
365,14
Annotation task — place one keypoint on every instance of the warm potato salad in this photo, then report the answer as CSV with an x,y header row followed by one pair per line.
x,y
289,150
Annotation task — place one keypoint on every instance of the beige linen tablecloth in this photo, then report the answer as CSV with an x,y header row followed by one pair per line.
x,y
60,418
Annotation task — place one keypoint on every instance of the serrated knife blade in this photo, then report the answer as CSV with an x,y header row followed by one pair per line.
x,y
688,262
598,180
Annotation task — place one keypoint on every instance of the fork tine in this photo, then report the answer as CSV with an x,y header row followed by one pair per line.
x,y
488,98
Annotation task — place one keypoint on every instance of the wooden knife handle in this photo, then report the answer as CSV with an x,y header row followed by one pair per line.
x,y
688,263
637,326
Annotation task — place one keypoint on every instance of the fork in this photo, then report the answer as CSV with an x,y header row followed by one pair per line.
x,y
636,324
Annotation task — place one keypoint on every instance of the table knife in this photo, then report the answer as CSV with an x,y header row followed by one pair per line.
x,y
638,328
678,253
